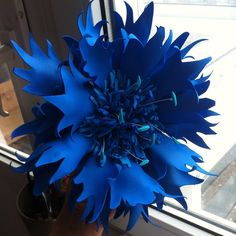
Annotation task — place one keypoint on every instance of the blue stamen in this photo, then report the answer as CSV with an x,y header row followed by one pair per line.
x,y
174,98
128,83
121,116
105,86
150,93
103,157
112,79
154,139
143,128
139,81
93,100
125,161
144,162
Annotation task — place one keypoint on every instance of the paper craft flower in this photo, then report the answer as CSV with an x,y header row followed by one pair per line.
x,y
113,115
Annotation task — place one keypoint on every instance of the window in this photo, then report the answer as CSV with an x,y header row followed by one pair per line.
x,y
215,20
10,112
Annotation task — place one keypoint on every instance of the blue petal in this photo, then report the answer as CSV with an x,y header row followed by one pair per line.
x,y
181,124
43,126
175,179
118,25
44,76
142,27
175,75
184,113
42,176
57,159
27,167
132,60
127,191
70,41
189,131
185,119
179,42
208,113
97,58
27,128
93,175
104,216
29,163
88,208
73,45
129,16
70,150
135,213
138,60
189,47
175,154
88,30
75,103
187,102
202,88
120,210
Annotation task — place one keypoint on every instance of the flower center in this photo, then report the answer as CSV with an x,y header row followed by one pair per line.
x,y
125,121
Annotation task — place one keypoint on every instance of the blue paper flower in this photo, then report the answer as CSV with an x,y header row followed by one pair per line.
x,y
113,115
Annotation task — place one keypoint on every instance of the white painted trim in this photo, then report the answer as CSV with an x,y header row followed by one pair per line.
x,y
96,11
8,155
167,225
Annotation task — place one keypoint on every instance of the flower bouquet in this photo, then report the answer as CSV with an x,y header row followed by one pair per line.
x,y
116,116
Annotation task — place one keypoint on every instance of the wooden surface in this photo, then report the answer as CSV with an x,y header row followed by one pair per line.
x,y
10,104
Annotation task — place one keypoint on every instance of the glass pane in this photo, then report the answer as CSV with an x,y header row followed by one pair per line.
x,y
216,21
10,112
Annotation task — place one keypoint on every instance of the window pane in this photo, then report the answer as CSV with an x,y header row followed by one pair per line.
x,y
216,21
10,112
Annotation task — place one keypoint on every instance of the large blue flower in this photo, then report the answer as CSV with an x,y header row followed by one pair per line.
x,y
114,114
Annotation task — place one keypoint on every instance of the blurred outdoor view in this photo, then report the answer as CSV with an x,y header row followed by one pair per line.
x,y
216,21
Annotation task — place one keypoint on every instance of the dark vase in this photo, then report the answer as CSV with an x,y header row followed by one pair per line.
x,y
34,212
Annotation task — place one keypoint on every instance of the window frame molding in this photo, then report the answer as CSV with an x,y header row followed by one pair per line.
x,y
172,222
